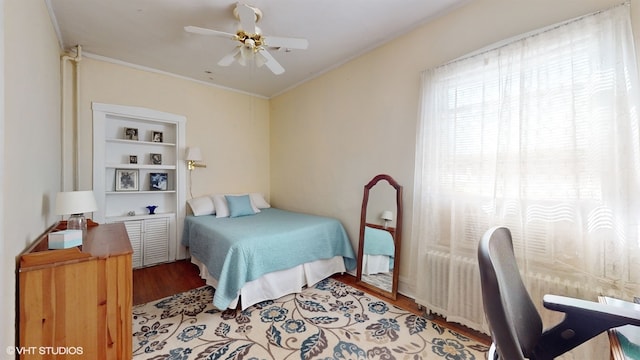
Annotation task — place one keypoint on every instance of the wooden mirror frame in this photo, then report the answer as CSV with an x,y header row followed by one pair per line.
x,y
397,236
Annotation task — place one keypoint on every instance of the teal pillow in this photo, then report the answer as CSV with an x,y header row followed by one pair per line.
x,y
239,205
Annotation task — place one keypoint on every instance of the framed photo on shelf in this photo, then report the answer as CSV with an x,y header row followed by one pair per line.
x,y
156,136
133,159
127,180
131,134
156,159
158,181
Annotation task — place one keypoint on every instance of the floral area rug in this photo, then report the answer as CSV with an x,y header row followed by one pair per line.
x,y
330,320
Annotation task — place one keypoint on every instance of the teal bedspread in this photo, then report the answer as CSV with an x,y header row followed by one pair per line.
x,y
379,242
242,249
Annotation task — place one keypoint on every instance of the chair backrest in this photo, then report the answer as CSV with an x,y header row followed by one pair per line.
x,y
515,324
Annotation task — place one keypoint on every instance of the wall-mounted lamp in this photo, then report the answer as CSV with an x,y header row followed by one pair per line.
x,y
75,204
193,156
387,216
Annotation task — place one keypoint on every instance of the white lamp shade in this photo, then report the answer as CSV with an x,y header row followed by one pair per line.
x,y
75,202
194,154
387,215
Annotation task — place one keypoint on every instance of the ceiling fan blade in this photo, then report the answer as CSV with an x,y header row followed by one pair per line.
x,y
229,58
203,31
247,18
271,63
290,43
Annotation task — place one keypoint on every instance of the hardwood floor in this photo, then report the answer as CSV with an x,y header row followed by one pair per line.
x,y
159,281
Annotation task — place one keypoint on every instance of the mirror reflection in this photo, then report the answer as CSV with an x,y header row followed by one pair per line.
x,y
378,253
378,257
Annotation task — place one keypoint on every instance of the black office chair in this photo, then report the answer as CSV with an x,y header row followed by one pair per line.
x,y
516,327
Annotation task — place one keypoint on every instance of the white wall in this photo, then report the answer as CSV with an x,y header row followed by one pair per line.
x,y
330,136
30,158
6,268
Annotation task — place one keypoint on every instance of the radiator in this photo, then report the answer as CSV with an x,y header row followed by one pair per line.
x,y
443,270
465,306
436,280
538,285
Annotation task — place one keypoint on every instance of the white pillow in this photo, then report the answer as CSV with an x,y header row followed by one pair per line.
x,y
220,203
222,209
202,205
258,201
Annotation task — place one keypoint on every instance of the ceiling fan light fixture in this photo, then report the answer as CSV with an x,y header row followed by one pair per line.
x,y
260,59
240,58
249,43
246,53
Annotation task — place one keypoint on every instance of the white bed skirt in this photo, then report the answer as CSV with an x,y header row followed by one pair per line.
x,y
375,264
278,283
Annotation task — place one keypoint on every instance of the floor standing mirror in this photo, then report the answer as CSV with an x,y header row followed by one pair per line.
x,y
380,236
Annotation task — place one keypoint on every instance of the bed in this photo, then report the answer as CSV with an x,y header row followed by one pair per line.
x,y
379,251
266,254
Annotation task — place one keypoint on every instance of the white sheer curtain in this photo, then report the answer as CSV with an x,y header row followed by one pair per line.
x,y
540,135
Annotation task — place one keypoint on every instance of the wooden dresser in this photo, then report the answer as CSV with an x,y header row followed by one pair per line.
x,y
77,300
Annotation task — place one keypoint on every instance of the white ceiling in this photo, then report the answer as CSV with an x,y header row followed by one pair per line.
x,y
150,34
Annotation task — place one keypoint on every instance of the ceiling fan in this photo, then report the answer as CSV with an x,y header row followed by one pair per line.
x,y
253,45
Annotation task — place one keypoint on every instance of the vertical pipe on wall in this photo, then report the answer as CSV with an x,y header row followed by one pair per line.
x,y
76,118
63,127
76,129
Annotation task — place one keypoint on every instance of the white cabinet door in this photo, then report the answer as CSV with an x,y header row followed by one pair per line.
x,y
134,230
149,240
156,241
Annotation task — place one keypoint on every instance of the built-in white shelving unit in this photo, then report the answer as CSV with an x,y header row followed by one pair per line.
x,y
137,155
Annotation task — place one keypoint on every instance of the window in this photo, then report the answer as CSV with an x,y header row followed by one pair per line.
x,y
539,135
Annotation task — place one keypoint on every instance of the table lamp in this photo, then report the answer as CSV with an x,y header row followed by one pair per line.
x,y
75,204
387,216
